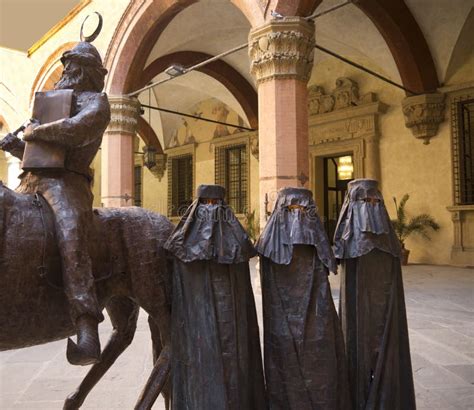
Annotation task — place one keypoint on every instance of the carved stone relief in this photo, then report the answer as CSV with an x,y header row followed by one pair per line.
x,y
341,122
346,94
423,114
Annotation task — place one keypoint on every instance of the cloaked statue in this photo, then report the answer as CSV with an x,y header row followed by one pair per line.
x,y
305,364
216,359
57,152
372,303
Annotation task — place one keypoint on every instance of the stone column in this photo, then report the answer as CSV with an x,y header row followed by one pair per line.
x,y
117,152
281,55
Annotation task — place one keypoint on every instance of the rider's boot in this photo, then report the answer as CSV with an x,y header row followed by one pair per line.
x,y
87,349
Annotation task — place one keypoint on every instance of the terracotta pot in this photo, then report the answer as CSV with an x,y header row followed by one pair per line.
x,y
405,253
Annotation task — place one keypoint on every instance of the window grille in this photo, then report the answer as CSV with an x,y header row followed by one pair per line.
x,y
231,172
180,184
462,122
138,185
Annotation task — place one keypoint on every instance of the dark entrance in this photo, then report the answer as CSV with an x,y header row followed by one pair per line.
x,y
338,172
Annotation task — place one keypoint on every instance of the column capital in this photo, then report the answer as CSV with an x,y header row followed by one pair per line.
x,y
423,114
282,49
124,113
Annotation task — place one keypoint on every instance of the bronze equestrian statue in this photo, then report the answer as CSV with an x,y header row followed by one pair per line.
x,y
51,231
68,191
131,271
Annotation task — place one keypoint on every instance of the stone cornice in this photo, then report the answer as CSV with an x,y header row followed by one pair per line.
x,y
373,108
282,49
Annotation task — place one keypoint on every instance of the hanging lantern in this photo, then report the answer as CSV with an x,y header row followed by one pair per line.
x,y
149,156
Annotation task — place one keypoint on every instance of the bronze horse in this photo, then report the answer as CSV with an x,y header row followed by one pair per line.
x,y
131,271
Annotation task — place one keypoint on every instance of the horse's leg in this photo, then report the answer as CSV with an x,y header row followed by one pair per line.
x,y
159,321
157,347
123,314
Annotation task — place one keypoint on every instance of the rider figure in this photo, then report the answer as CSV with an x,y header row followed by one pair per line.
x,y
68,191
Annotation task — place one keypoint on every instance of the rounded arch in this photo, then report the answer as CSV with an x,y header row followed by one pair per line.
x,y
140,28
148,135
230,78
48,72
4,127
406,42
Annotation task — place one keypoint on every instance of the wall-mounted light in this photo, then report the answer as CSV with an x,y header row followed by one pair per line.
x,y
345,168
154,161
175,70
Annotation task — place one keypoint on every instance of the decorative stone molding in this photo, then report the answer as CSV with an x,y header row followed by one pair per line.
x,y
346,94
282,49
341,122
423,114
124,113
250,138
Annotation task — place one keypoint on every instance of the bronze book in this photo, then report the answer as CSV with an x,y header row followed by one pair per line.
x,y
49,106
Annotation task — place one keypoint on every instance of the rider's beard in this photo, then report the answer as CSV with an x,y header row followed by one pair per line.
x,y
70,82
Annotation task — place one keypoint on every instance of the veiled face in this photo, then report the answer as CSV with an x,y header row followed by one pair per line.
x,y
72,77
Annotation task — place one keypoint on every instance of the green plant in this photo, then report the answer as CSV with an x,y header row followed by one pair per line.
x,y
418,224
251,225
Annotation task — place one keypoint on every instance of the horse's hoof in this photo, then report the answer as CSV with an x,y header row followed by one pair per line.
x,y
71,402
81,357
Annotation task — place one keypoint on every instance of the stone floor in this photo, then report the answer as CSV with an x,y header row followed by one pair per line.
x,y
440,303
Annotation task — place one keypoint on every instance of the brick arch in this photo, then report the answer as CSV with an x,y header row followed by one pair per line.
x,y
138,31
46,67
230,78
406,42
148,135
398,27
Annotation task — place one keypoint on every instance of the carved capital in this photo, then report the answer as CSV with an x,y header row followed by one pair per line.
x,y
423,114
282,49
124,113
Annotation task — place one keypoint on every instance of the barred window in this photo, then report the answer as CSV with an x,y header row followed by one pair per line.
x,y
180,184
462,114
138,186
231,172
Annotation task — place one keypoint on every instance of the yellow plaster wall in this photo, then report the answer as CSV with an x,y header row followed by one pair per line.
x,y
155,192
407,165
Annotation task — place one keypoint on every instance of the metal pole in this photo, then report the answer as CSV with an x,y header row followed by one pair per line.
x,y
387,80
187,70
197,118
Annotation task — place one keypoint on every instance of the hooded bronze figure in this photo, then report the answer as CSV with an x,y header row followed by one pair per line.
x,y
372,304
216,360
68,191
305,364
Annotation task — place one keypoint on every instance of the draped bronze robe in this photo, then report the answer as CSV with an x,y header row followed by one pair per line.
x,y
216,359
372,303
305,364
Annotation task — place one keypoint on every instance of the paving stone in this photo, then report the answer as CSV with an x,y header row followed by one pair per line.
x,y
465,371
15,377
433,377
439,301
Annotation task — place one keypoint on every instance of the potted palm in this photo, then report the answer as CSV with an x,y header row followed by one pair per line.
x,y
403,227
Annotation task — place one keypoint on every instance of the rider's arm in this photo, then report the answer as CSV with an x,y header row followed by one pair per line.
x,y
79,130
14,145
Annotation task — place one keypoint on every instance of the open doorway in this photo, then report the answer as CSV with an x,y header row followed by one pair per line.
x,y
338,171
